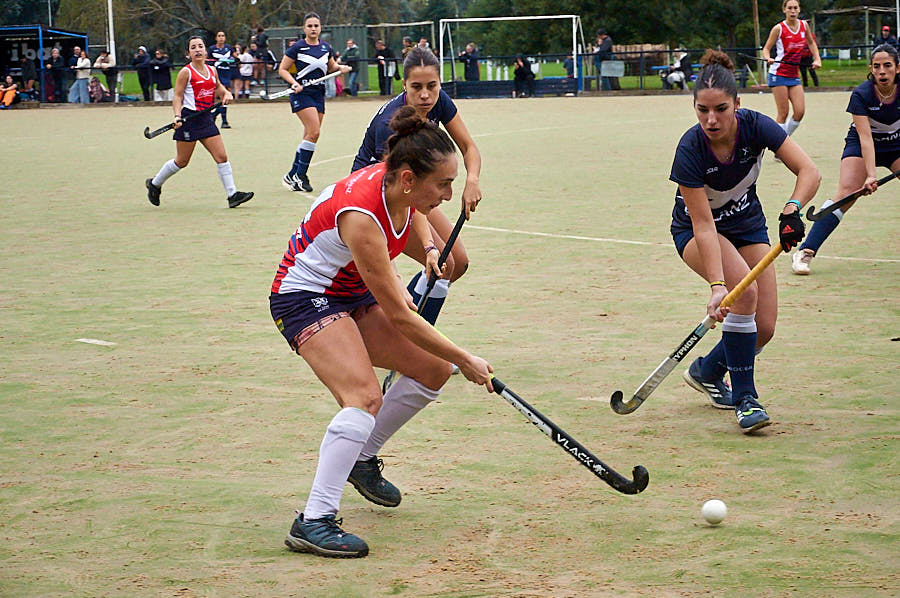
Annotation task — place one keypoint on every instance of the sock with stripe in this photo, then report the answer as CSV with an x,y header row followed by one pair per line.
x,y
303,157
435,302
821,228
739,340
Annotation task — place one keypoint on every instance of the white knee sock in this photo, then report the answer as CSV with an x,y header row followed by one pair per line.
x,y
167,170
343,439
403,400
226,177
791,125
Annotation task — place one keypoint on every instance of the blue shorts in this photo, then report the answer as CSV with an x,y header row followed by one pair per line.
x,y
682,236
779,81
852,149
300,314
197,128
313,99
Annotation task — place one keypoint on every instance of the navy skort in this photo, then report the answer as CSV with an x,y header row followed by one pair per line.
x,y
197,128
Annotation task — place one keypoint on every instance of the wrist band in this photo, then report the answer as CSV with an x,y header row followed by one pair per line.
x,y
796,203
717,283
429,248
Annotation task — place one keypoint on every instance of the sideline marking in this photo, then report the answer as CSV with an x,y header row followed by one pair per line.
x,y
94,341
628,242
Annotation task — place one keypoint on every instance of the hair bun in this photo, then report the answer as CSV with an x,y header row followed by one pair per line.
x,y
715,57
406,122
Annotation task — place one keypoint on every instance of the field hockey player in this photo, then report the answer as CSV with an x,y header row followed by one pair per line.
x,y
339,303
196,88
720,231
873,141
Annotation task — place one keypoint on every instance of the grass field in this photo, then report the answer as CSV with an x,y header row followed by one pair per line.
x,y
170,463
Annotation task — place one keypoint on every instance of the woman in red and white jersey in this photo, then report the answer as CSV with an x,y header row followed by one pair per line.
x,y
196,88
340,304
789,38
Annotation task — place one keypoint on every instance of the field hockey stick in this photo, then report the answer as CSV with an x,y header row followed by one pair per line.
x,y
290,90
573,447
151,134
669,363
845,200
432,279
766,61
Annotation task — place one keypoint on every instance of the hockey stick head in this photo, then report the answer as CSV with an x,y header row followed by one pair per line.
x,y
147,133
641,477
621,407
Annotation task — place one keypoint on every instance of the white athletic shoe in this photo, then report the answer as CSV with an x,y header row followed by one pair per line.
x,y
800,261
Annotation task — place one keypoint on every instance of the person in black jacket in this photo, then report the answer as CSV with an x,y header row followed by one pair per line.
x,y
470,58
387,68
602,53
56,65
162,76
141,63
524,78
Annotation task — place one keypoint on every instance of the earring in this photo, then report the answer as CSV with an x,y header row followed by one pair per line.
x,y
405,191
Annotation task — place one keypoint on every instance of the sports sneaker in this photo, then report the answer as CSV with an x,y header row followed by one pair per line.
x,y
751,415
800,261
225,124
153,192
324,537
718,393
303,181
367,479
239,197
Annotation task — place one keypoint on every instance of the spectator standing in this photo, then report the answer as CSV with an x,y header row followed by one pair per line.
x,y
220,55
602,53
79,91
162,76
569,65
351,59
887,38
407,46
106,62
141,63
246,62
57,67
806,63
261,39
469,58
386,68
523,79
29,74
71,63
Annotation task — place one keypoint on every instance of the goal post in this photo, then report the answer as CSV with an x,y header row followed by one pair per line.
x,y
577,33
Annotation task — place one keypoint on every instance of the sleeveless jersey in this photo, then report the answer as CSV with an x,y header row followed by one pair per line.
x,y
731,186
317,260
789,48
374,144
311,62
884,119
200,91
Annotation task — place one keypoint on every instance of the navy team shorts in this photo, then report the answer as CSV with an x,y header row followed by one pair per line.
x,y
300,314
197,128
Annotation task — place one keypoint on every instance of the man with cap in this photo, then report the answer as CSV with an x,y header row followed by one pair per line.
x,y
141,63
887,38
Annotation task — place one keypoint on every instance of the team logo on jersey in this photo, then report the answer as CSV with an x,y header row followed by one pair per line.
x,y
320,303
747,155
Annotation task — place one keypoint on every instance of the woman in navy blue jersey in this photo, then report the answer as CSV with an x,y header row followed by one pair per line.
x,y
422,90
314,59
873,140
720,231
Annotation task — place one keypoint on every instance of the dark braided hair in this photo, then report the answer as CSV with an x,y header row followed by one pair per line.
x,y
717,73
420,144
890,51
419,57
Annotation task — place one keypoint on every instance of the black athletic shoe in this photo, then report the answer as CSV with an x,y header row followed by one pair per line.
x,y
324,537
153,192
225,124
367,479
239,197
303,180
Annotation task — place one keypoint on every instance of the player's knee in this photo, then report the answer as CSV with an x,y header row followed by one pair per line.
x,y
459,268
182,163
764,333
311,135
368,399
435,378
746,303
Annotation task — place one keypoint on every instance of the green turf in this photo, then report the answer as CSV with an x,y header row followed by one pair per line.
x,y
170,463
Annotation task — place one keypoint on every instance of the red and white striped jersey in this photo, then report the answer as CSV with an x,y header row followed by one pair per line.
x,y
789,49
317,260
200,91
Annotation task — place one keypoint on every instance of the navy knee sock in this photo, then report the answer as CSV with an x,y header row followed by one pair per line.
x,y
435,302
713,365
822,228
739,340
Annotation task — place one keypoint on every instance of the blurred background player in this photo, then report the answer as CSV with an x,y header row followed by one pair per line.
x,y
314,58
789,37
336,300
220,55
196,87
873,140
720,231
422,90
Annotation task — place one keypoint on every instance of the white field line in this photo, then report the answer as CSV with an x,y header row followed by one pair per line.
x,y
629,242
